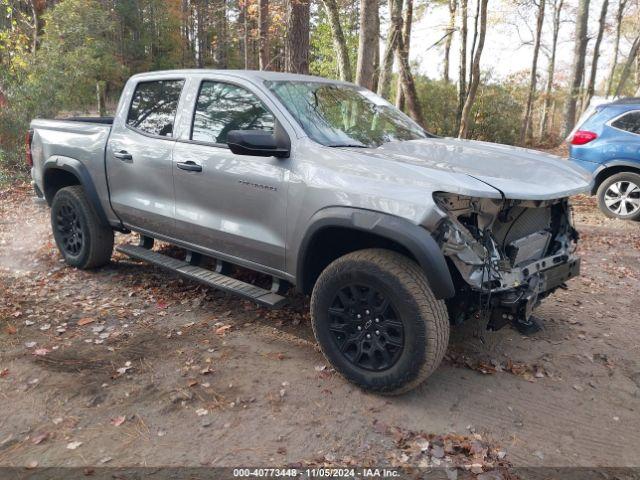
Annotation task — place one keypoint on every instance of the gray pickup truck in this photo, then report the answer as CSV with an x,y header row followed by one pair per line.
x,y
394,232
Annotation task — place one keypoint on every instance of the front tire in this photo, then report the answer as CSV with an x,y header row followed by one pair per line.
x,y
378,322
619,196
83,240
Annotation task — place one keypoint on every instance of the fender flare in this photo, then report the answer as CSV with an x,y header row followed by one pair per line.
x,y
76,168
416,239
612,164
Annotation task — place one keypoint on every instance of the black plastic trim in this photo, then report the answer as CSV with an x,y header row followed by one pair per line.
x,y
76,168
416,239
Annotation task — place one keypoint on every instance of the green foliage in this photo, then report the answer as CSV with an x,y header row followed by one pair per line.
x,y
323,53
495,117
75,54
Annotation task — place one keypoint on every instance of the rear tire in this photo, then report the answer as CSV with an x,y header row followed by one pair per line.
x,y
619,196
390,349
83,240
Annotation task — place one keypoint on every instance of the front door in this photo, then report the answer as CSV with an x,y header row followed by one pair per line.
x,y
231,204
139,156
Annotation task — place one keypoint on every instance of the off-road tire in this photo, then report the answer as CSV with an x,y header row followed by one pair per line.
x,y
425,319
97,238
604,186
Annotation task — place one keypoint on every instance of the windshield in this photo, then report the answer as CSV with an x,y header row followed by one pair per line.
x,y
343,115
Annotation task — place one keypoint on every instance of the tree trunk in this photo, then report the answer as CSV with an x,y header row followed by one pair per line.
x,y
616,46
406,43
409,86
475,36
395,31
447,43
368,44
339,42
462,71
577,71
591,85
297,40
101,97
526,121
551,68
221,56
635,48
263,22
199,34
475,73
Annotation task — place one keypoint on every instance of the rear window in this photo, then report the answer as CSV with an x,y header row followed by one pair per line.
x,y
629,122
154,106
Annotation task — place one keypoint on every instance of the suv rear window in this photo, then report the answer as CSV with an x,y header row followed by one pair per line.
x,y
154,105
629,122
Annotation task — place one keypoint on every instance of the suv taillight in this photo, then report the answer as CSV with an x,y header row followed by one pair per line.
x,y
582,137
27,140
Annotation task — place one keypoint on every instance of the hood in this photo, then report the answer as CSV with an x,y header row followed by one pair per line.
x,y
518,173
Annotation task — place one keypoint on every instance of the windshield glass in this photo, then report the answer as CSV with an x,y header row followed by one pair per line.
x,y
344,115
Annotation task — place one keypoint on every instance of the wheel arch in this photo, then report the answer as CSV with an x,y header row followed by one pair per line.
x,y
59,172
613,168
336,231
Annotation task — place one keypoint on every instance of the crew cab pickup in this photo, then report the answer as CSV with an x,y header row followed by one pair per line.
x,y
322,185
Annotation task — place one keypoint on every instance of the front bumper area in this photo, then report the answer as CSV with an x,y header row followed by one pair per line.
x,y
517,305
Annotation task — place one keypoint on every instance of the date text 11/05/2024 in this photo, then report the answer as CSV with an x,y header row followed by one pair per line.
x,y
317,472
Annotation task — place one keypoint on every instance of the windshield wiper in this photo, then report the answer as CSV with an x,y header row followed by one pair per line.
x,y
357,145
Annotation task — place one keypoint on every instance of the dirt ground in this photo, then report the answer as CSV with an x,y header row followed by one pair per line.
x,y
132,366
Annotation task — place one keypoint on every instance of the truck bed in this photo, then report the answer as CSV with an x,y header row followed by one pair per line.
x,y
78,140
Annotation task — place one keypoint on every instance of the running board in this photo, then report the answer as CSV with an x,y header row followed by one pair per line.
x,y
203,275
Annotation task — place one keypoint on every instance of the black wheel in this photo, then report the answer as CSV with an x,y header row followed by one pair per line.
x,y
83,240
377,321
619,196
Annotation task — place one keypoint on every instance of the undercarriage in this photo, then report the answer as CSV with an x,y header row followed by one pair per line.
x,y
506,255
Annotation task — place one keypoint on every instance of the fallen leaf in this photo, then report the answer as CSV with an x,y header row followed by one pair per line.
x,y
32,464
201,412
223,329
117,421
40,352
4,372
11,330
73,445
86,321
39,438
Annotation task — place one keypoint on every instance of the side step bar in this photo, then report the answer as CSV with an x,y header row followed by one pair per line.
x,y
203,275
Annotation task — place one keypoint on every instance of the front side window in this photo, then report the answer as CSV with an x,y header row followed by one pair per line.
x,y
629,122
222,107
154,106
338,115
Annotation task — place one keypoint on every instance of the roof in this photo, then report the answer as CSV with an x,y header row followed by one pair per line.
x,y
626,101
259,75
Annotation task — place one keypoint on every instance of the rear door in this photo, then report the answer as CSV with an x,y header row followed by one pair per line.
x,y
234,205
138,156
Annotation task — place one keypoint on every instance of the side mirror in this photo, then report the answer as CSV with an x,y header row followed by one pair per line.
x,y
260,143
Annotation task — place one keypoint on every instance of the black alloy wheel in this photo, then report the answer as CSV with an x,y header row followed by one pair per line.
x,y
69,229
366,327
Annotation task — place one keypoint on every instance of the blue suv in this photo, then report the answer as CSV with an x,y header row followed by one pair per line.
x,y
607,143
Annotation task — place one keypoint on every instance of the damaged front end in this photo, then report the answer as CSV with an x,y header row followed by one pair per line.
x,y
509,254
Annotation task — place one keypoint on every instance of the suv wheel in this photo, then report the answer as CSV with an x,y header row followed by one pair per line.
x,y
83,240
619,196
378,322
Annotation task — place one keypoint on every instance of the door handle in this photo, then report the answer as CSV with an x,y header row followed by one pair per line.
x,y
190,166
123,155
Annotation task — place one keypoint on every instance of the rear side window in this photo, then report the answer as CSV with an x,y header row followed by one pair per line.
x,y
154,105
222,107
629,122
